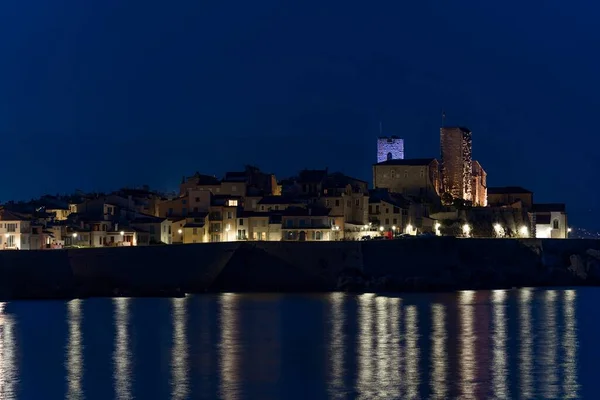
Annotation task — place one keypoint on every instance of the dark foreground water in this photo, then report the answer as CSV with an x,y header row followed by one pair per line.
x,y
489,344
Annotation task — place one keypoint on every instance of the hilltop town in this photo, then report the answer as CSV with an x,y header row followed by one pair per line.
x,y
421,197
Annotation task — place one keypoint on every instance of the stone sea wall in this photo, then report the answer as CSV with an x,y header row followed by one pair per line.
x,y
412,264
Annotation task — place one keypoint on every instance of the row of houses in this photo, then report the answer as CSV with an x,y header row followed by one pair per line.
x,y
315,205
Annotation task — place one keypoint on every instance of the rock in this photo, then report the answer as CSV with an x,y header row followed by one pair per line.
x,y
578,267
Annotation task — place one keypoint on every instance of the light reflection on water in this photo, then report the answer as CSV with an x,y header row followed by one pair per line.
x,y
122,352
75,366
497,344
179,354
8,369
439,362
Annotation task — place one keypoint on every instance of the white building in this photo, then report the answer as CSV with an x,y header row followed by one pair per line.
x,y
550,221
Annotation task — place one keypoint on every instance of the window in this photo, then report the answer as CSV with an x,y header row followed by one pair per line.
x,y
11,227
326,202
164,228
262,208
555,224
264,223
337,203
289,223
396,210
197,199
254,236
376,209
241,222
393,174
313,235
389,156
170,211
406,173
194,231
387,221
232,203
184,211
184,201
395,221
318,235
387,210
263,236
422,174
357,202
100,241
229,215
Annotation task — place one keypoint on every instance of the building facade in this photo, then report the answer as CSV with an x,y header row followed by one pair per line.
x,y
479,185
456,162
550,221
417,177
390,148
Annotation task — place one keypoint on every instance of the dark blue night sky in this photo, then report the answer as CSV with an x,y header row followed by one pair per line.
x,y
99,94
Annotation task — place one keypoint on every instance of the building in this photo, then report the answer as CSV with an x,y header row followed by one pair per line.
x,y
307,224
19,232
388,211
479,185
550,221
510,196
390,148
417,177
159,230
456,162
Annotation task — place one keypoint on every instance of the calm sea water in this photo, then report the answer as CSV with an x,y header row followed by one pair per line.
x,y
489,344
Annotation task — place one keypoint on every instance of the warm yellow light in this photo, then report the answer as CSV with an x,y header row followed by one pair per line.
x,y
381,228
74,235
394,227
568,229
179,231
466,229
524,231
497,227
409,228
122,233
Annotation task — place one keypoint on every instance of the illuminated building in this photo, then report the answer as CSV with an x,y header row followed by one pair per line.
x,y
457,164
390,148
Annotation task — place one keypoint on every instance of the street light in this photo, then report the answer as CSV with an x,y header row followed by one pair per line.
x,y
409,229
381,228
524,231
122,233
74,235
179,231
466,230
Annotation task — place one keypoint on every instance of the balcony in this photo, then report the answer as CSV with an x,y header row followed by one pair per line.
x,y
215,217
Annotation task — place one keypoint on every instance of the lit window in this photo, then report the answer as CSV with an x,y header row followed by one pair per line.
x,y
232,203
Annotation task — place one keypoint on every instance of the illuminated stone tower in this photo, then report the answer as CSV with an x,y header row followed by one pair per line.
x,y
457,164
390,148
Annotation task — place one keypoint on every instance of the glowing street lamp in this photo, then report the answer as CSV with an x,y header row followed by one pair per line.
x,y
524,231
466,229
122,233
179,231
74,235
409,228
